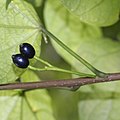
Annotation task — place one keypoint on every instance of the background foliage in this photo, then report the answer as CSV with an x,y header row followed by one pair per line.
x,y
90,28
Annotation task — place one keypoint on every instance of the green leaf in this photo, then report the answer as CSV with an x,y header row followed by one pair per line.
x,y
100,101
30,105
84,39
18,24
65,104
99,107
96,12
36,3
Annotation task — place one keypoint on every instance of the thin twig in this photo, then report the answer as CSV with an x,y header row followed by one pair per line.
x,y
70,83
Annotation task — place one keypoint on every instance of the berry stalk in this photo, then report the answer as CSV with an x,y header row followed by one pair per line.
x,y
60,70
50,67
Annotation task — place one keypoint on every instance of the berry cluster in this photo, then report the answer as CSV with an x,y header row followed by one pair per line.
x,y
27,52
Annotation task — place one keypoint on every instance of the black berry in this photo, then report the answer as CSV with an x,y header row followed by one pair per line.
x,y
27,50
20,61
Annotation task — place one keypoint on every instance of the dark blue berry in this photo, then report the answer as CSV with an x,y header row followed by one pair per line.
x,y
27,50
20,61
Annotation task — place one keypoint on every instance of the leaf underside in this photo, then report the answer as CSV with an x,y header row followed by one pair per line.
x,y
19,23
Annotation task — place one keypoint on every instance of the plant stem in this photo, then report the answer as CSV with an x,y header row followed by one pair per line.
x,y
84,62
43,61
70,83
54,68
50,67
60,70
